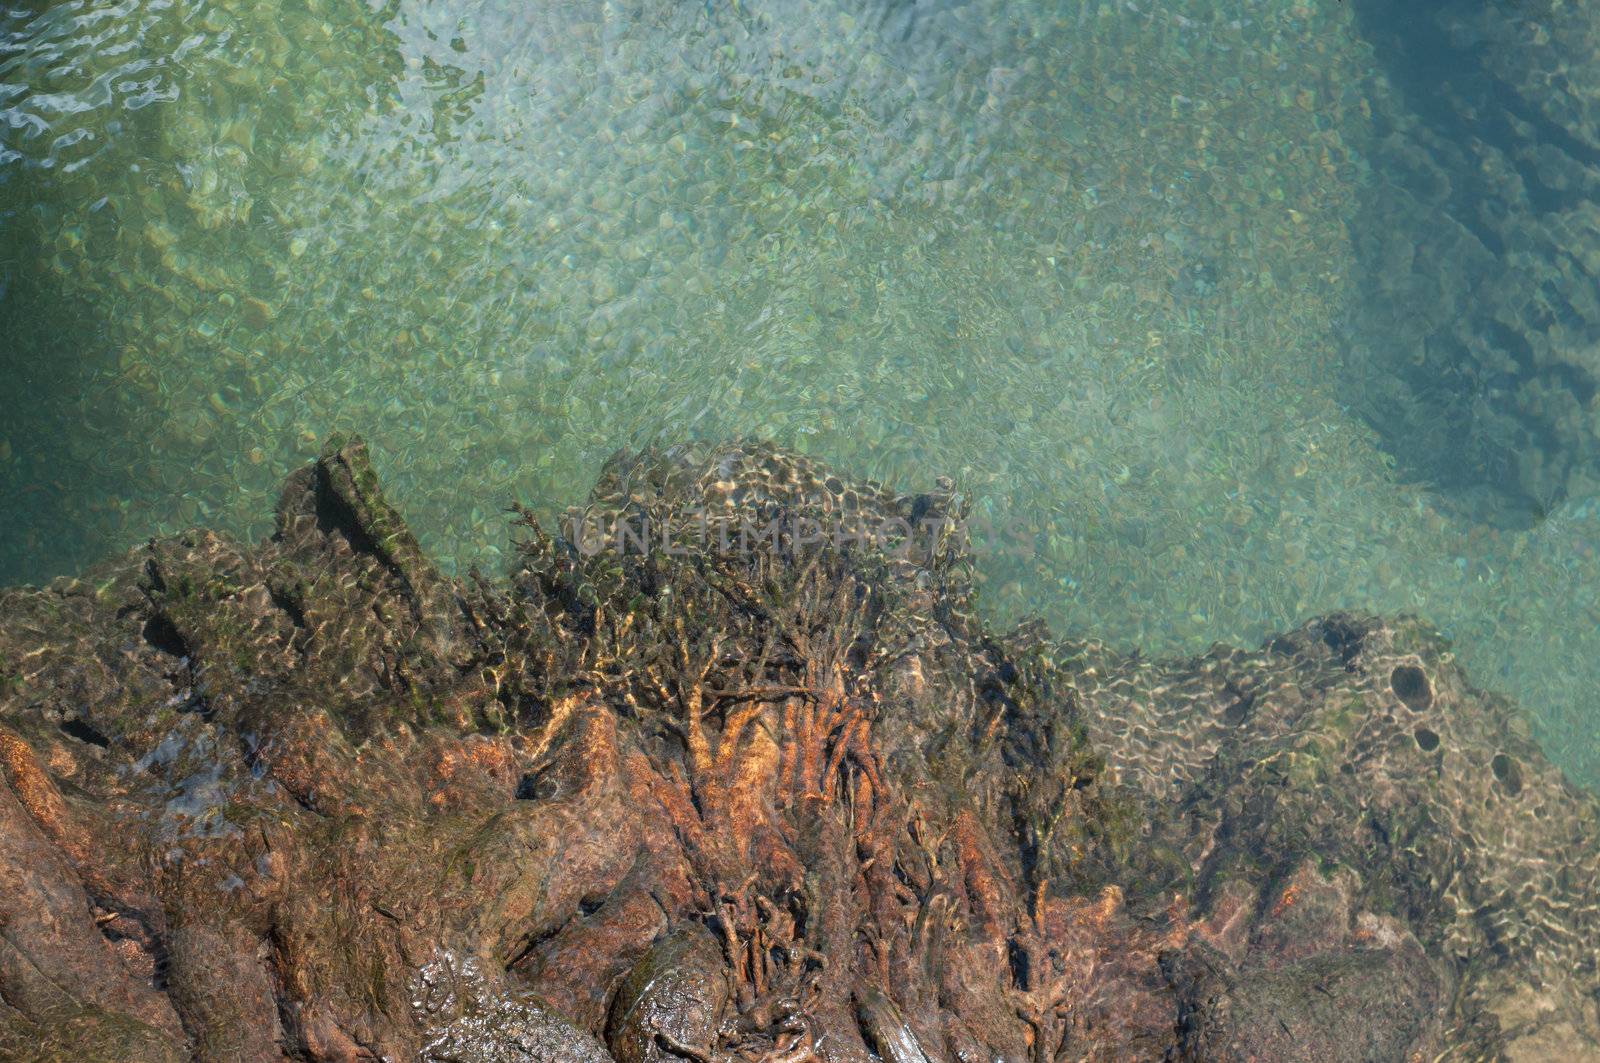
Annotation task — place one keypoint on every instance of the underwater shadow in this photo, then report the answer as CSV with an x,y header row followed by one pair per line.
x,y
1472,347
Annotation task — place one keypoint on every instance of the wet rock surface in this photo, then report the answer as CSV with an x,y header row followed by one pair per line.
x,y
772,799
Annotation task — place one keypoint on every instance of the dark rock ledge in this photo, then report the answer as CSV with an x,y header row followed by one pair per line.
x,y
310,799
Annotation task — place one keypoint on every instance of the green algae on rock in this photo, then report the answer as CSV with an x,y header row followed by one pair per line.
x,y
788,799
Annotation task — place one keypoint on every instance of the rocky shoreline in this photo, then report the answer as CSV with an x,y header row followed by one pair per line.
x,y
311,799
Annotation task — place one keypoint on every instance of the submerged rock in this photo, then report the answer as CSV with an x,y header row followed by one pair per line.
x,y
709,778
671,1001
473,1021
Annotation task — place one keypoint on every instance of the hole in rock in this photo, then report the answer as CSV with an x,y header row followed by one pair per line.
x,y
1410,684
1508,772
164,636
83,732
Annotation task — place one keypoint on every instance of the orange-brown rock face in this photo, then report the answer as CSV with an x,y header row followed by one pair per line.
x,y
774,799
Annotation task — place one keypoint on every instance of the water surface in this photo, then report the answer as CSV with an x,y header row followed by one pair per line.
x,y
1090,259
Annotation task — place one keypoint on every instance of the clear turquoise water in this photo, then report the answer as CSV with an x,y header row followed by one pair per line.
x,y
1087,258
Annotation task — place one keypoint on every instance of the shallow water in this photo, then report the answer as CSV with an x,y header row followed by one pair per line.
x,y
1090,259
